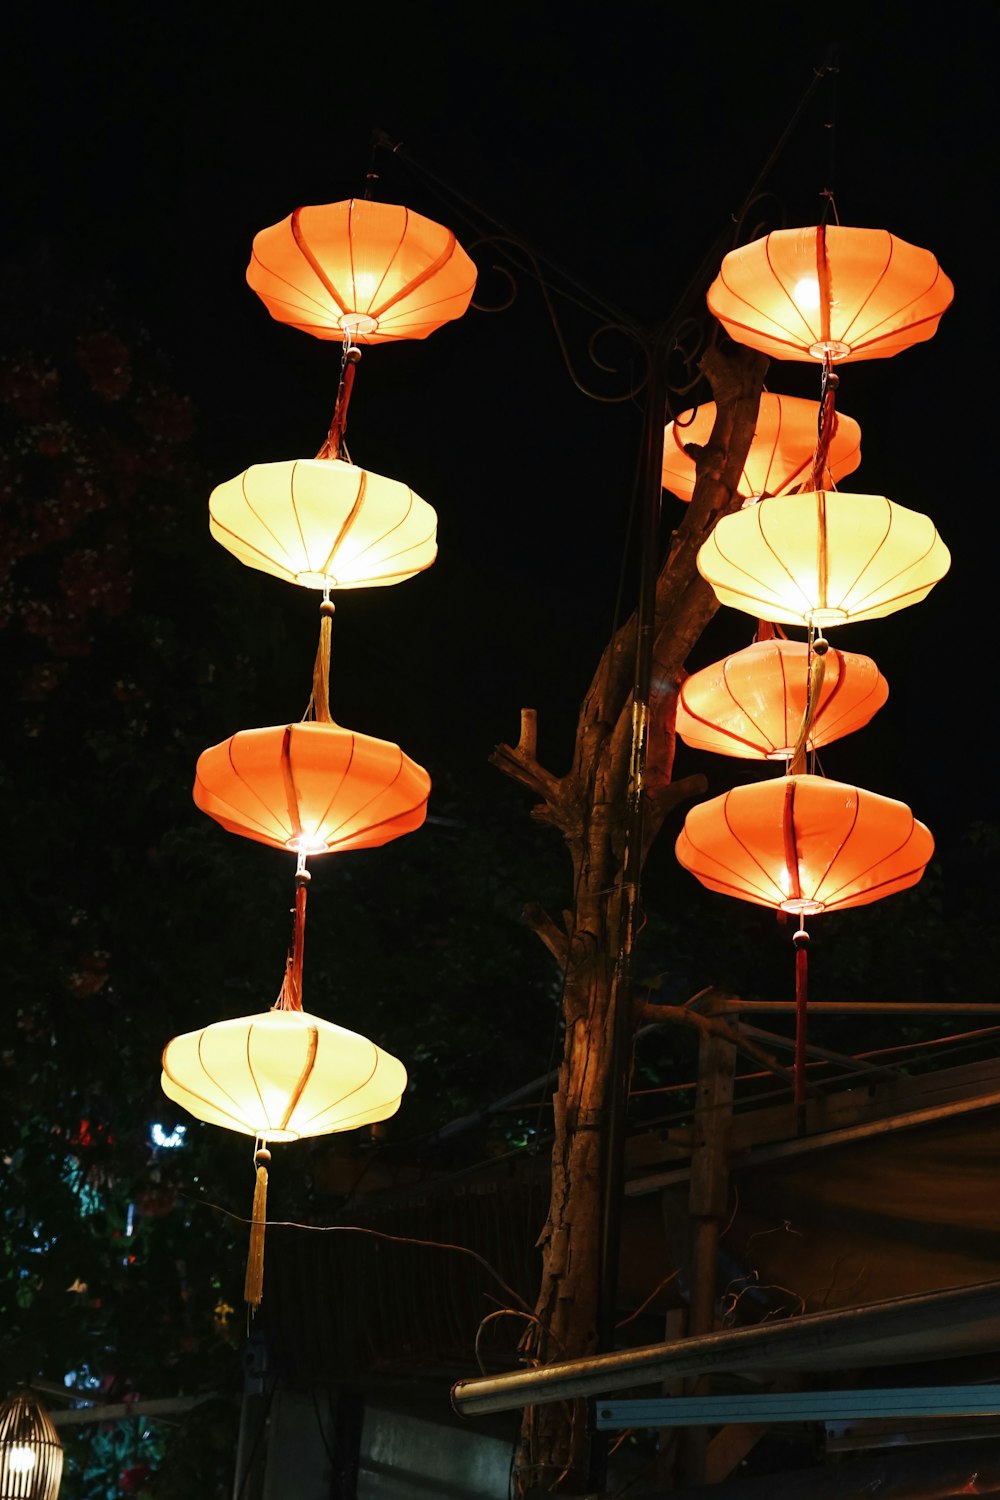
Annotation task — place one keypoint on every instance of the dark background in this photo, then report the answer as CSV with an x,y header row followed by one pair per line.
x,y
144,148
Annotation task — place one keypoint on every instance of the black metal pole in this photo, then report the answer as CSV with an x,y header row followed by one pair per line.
x,y
621,995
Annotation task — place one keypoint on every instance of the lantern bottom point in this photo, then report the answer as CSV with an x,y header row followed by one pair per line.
x,y
355,323
802,906
828,616
829,349
302,843
310,580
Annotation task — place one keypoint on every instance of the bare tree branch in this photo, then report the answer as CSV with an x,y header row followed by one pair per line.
x,y
554,938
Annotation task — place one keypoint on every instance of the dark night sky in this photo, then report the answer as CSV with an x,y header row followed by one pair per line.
x,y
148,146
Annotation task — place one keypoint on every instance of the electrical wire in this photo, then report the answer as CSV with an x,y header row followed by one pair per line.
x,y
379,1234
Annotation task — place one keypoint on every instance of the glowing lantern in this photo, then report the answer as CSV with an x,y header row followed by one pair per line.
x,y
324,524
829,292
822,558
31,1455
313,788
781,452
752,704
362,271
803,844
279,1076
282,1075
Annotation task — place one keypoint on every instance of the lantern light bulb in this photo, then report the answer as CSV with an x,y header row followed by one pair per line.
x,y
806,294
21,1459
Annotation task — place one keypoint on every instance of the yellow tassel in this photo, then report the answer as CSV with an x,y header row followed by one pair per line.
x,y
253,1286
817,672
321,669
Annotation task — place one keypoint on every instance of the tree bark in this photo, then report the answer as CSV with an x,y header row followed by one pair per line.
x,y
588,806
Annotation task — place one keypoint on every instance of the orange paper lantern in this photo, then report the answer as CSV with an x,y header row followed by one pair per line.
x,y
752,704
324,524
803,845
313,788
822,558
367,272
781,451
830,292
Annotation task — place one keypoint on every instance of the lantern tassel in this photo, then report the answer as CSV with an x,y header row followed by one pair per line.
x,y
253,1285
321,666
817,673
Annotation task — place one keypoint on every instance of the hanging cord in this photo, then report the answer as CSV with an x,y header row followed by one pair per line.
x,y
289,998
831,72
826,424
816,673
290,995
797,902
372,176
801,941
334,445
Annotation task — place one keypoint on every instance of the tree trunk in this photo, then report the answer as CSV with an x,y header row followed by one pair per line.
x,y
588,806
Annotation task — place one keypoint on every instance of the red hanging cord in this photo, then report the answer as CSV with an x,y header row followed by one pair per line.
x,y
801,941
333,447
826,424
291,988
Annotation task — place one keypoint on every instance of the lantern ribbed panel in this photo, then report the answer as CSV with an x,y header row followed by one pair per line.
x,y
31,1455
752,704
313,787
781,450
863,292
323,523
823,558
801,843
283,1074
386,272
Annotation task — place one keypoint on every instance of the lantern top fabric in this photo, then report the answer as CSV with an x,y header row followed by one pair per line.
x,y
823,558
752,703
282,1075
830,291
324,524
368,272
804,845
314,788
781,450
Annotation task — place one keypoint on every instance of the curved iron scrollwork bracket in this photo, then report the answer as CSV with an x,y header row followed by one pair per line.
x,y
763,225
520,257
696,332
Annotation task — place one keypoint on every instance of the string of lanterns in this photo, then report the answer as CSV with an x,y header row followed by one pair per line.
x,y
358,272
800,552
